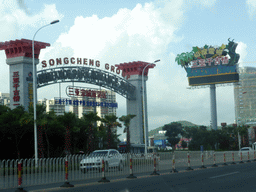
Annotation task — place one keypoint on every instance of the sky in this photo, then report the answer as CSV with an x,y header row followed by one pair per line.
x,y
118,31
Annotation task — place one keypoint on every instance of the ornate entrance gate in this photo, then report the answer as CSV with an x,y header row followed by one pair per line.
x,y
19,58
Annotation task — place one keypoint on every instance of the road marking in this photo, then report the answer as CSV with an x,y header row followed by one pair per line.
x,y
224,175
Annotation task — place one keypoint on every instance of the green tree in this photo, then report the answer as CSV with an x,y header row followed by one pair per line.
x,y
172,132
243,131
90,120
6,136
41,121
51,129
200,136
52,133
15,129
183,144
69,122
111,122
126,119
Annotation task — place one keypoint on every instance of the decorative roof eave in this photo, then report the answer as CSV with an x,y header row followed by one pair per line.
x,y
22,47
134,68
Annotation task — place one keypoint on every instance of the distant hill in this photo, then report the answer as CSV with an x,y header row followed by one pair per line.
x,y
187,124
183,123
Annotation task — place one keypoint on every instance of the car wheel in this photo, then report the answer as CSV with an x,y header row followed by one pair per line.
x,y
106,167
84,170
121,166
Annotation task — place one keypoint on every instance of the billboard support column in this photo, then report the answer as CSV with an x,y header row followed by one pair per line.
x,y
213,106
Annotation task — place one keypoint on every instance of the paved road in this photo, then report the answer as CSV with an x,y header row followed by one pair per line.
x,y
235,178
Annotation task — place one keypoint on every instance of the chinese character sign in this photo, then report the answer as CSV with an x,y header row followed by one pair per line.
x,y
81,91
66,101
209,56
30,94
16,84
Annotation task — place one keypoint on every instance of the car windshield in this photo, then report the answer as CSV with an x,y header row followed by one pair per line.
x,y
98,153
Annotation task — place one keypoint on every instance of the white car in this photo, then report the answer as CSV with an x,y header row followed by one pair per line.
x,y
245,151
112,158
168,148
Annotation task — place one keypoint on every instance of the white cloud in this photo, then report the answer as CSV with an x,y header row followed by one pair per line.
x,y
169,98
138,34
241,50
172,11
14,21
14,18
251,5
56,50
48,14
8,22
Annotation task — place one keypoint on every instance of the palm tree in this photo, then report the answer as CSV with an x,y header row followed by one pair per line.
x,y
17,126
41,121
50,128
190,56
126,120
178,59
69,121
111,122
90,120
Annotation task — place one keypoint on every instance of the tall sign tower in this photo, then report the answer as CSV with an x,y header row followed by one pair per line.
x,y
20,59
210,65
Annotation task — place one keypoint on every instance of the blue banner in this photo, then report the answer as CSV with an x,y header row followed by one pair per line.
x,y
76,102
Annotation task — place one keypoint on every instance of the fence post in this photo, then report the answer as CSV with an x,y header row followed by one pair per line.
x,y
248,161
202,155
241,158
224,155
158,162
19,178
233,162
154,172
214,160
189,168
131,176
173,164
103,179
66,184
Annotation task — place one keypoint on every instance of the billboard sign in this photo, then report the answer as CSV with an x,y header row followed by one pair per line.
x,y
160,143
210,65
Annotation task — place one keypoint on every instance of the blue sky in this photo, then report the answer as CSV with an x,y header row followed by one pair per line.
x,y
117,31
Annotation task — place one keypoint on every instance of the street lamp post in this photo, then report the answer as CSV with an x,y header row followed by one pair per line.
x,y
143,101
35,91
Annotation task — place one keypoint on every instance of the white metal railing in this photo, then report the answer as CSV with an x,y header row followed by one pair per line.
x,y
52,170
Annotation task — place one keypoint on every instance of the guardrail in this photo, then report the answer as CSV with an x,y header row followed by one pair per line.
x,y
53,170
